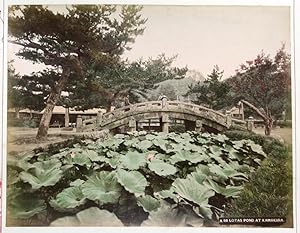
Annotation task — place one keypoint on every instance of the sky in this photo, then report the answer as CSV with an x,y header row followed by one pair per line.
x,y
203,36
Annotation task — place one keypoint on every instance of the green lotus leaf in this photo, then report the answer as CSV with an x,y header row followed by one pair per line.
x,y
194,221
214,186
166,194
144,145
198,176
113,162
133,181
61,154
103,187
228,191
131,142
176,147
47,165
216,150
82,160
233,153
77,182
133,160
26,205
226,172
202,140
193,157
165,216
121,136
161,168
203,211
148,203
238,144
45,173
161,143
89,217
220,138
112,154
192,147
92,155
191,190
150,137
257,149
232,191
70,198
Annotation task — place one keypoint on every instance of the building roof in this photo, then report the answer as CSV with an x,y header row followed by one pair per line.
x,y
62,110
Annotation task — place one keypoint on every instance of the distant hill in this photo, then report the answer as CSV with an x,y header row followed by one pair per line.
x,y
176,88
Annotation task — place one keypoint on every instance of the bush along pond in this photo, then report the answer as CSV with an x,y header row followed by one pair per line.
x,y
133,179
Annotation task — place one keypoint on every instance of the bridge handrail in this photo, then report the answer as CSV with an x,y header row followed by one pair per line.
x,y
195,107
238,121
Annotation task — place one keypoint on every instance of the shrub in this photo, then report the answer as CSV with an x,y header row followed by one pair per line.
x,y
268,192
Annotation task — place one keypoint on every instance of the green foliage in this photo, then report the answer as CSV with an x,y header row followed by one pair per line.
x,y
265,82
213,92
113,84
89,217
72,42
139,178
267,193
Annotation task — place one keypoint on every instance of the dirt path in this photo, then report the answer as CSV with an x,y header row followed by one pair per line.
x,y
23,139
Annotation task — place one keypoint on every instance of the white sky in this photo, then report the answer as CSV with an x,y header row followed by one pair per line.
x,y
203,36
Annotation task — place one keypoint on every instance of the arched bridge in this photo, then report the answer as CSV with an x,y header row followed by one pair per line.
x,y
193,116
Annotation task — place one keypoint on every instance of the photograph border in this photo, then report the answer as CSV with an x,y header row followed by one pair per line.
x,y
295,104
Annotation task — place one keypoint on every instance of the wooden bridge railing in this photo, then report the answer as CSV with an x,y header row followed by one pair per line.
x,y
105,119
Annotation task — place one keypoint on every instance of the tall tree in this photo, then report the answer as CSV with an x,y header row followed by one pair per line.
x,y
23,91
70,42
213,92
264,85
126,78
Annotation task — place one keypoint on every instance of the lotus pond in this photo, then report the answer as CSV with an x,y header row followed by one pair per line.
x,y
134,179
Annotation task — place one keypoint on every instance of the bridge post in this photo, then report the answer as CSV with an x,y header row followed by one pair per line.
x,y
132,124
99,119
79,124
228,118
164,102
165,123
250,123
198,125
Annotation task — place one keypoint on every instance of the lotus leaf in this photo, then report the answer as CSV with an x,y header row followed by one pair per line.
x,y
70,198
161,168
144,145
133,181
148,203
113,162
44,174
257,149
89,217
191,190
26,206
193,157
161,143
133,160
92,155
131,142
165,216
77,182
103,187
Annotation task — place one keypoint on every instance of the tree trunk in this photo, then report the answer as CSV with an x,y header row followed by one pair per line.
x,y
17,113
51,102
268,126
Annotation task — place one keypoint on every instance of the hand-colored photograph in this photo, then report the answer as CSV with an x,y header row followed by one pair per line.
x,y
149,116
